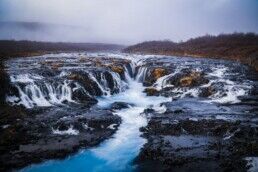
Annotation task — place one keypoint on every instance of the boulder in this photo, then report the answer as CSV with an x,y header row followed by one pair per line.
x,y
85,81
155,74
120,105
151,91
188,79
117,69
158,72
206,92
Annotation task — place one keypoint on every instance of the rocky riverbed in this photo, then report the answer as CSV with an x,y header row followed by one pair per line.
x,y
167,113
211,122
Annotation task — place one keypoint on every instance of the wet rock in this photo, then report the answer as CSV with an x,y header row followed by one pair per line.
x,y
148,110
191,132
5,84
120,105
118,69
158,72
206,92
88,84
110,82
188,79
155,74
151,91
52,133
79,95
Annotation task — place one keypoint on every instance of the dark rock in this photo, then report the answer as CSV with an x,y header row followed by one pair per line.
x,y
5,83
151,91
120,105
188,78
85,80
206,92
31,139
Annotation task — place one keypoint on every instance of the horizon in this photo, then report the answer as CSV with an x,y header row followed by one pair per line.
x,y
126,22
126,45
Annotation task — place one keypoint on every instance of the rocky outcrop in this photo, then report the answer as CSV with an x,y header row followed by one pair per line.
x,y
117,69
88,84
154,74
188,78
53,133
151,91
158,73
120,105
183,137
4,80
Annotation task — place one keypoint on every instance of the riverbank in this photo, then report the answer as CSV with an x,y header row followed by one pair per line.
x,y
238,47
11,48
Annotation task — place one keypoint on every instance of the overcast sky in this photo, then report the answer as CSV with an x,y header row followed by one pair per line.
x,y
131,21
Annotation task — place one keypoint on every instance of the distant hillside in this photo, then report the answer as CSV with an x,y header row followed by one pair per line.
x,y
47,32
10,48
237,46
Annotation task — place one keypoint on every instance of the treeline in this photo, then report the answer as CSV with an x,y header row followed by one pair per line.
x,y
10,48
237,46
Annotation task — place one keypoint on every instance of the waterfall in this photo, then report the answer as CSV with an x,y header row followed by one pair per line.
x,y
141,74
32,90
41,94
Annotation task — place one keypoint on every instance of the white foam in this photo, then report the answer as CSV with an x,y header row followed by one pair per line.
x,y
229,94
252,162
127,141
25,78
218,71
162,81
112,126
160,109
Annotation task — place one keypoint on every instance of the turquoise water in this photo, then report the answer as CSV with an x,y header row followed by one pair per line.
x,y
118,152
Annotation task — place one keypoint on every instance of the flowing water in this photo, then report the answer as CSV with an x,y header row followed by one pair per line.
x,y
38,86
117,153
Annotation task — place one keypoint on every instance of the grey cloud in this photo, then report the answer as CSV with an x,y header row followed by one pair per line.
x,y
128,21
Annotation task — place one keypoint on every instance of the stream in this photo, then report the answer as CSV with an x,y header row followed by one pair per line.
x,y
92,109
116,153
